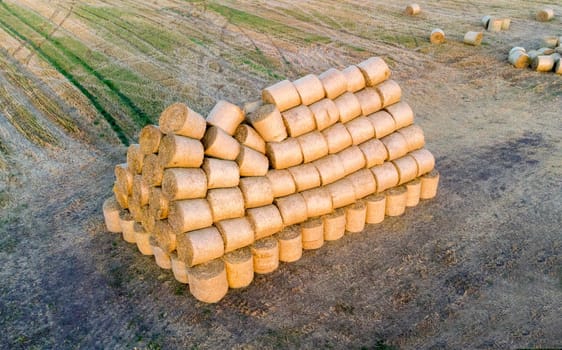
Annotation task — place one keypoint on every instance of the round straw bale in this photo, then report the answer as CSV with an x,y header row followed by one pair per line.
x,y
298,121
310,89
374,70
111,215
149,139
542,63
292,209
267,121
402,114
348,107
355,215
180,152
208,282
412,9
355,79
165,236
383,123
334,225
135,209
396,145
184,183
219,144
290,244
437,36
360,130
312,232
284,154
140,190
558,67
342,193
532,55
376,204
179,269
127,222
318,202
226,203
282,183
251,162
414,137
200,246
519,59
390,92
429,183
334,82
396,201
407,168
249,137
374,152
545,15
266,255
121,197
363,183
330,169
550,41
325,113
352,159
425,161
305,176
190,214
265,221
135,158
485,21
236,233
495,25
313,146
338,138
473,38
221,173
386,176
506,23
413,189
251,107
256,191
239,267
226,116
162,258
152,170
181,120
369,100
283,94
142,237
158,203
517,48
124,178
149,220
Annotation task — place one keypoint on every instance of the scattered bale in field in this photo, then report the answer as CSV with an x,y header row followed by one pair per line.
x,y
236,233
312,232
376,204
249,137
184,183
218,144
473,38
283,94
495,25
162,258
208,282
226,116
396,199
318,202
429,184
256,191
330,169
149,139
550,41
361,130
305,176
290,244
412,9
111,211
355,79
282,183
338,138
310,89
485,21
543,63
239,267
221,173
142,238
251,162
558,67
200,246
390,92
374,152
292,209
386,176
267,121
383,123
135,158
313,146
414,136
374,70
348,107
334,82
180,152
545,15
266,255
181,120
265,221
519,59
355,215
407,168
437,36
190,214
506,23
179,269
370,100
413,189
402,114
334,225
298,120
226,203
285,154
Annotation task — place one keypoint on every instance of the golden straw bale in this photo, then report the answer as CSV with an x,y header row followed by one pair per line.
x,y
338,138
414,190
363,182
407,168
190,214
200,246
310,89
374,152
313,146
266,255
334,225
389,92
249,137
236,233
208,282
256,190
429,184
325,113
396,199
356,216
158,203
370,100
267,121
180,152
298,120
251,162
361,129
152,170
221,173
226,116
342,193
265,221
396,145
282,183
135,158
318,201
282,94
386,176
292,209
284,154
165,236
425,161
290,244
149,139
226,203
383,123
239,267
376,204
312,233
354,77
305,176
179,269
219,144
184,183
179,119
374,70
348,106
124,178
330,169
352,159
111,211
334,82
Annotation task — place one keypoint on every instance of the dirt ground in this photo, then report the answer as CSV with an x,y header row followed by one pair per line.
x,y
479,266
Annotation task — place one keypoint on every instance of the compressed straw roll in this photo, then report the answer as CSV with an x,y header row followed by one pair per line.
x,y
124,178
239,267
413,189
266,255
265,221
334,82
412,9
352,159
180,152
158,203
111,215
142,237
219,144
252,106
370,100
390,92
495,25
292,209
298,121
355,215
313,146
135,158
363,182
226,116
310,89
338,138
354,77
342,193
184,183
542,63
334,225
424,159
282,94
290,244
165,236
312,232
545,15
360,129
506,23
249,137
473,38
284,154
152,170
149,220
348,107
179,269
208,282
407,168
517,48
121,197
149,139
236,233
396,145
402,114
558,67
267,121
318,202
127,222
226,203
325,113
550,41
181,120
135,209
383,123
251,162
221,173
200,246
190,214
429,183
305,176
485,21
282,183
162,258
374,70
386,176
396,201
374,152
330,169
519,59
376,205
437,36
256,191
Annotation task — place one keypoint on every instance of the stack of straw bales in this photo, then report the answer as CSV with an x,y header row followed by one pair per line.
x,y
219,199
